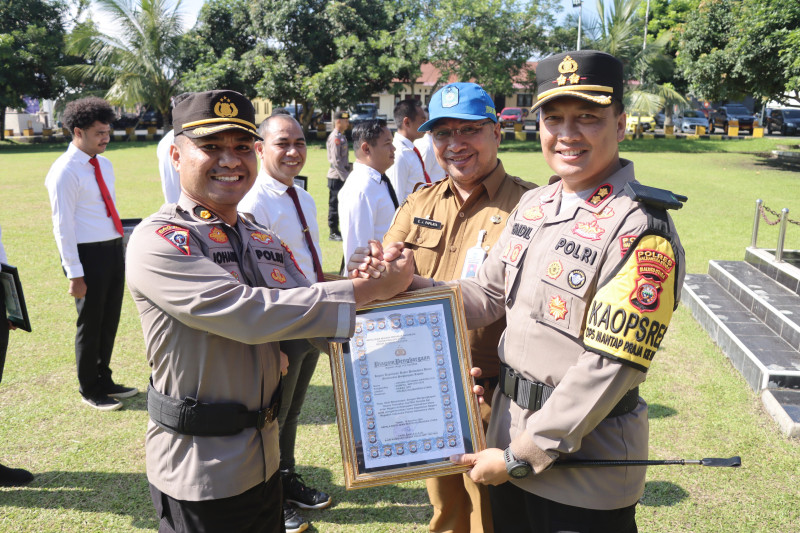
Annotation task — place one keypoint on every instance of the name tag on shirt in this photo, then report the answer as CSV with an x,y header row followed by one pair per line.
x,y
427,223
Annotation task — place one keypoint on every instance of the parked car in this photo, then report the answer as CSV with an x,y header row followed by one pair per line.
x,y
151,119
687,120
660,118
724,114
296,112
512,115
362,112
125,120
648,123
786,121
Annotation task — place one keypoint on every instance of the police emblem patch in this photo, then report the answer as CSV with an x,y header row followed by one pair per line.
x,y
625,242
558,307
653,267
533,213
607,212
588,230
225,108
217,235
554,269
278,276
576,278
449,96
176,236
263,238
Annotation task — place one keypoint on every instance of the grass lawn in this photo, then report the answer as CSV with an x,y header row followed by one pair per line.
x,y
90,465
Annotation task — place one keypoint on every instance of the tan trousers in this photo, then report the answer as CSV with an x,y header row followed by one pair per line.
x,y
459,504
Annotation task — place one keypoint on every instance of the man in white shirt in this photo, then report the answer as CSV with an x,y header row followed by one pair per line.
x,y
367,201
170,179
425,146
408,170
291,213
88,233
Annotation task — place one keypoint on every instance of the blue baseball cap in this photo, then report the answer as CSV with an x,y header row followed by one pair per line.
x,y
466,101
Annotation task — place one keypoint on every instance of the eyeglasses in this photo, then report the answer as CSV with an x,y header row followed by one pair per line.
x,y
442,134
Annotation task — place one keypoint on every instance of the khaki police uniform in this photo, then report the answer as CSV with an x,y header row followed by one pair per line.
x,y
338,157
588,294
440,228
213,301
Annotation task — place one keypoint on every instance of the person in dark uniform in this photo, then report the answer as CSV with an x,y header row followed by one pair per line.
x,y
339,159
88,232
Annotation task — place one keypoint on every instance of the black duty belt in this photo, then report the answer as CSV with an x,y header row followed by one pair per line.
x,y
532,395
190,417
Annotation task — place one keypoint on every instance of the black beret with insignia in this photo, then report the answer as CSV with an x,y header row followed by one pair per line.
x,y
210,112
341,114
585,74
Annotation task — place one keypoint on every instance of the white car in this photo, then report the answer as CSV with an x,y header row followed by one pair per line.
x,y
687,120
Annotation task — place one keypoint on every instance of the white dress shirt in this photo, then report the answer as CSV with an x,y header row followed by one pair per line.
x,y
3,257
79,212
268,202
425,146
365,208
170,179
407,170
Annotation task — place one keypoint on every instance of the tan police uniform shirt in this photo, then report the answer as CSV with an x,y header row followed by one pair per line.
x,y
440,242
588,294
338,156
212,311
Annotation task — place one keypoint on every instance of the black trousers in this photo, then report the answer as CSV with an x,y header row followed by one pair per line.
x,y
517,511
3,331
98,313
258,510
334,186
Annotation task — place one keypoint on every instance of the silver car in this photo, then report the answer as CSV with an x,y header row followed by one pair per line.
x,y
687,120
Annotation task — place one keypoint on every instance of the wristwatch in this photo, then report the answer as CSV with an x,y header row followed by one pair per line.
x,y
516,468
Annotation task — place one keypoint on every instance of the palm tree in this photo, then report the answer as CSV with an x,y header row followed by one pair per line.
x,y
618,32
138,59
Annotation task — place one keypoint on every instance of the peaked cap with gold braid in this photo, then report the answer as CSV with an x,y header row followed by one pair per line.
x,y
587,74
210,112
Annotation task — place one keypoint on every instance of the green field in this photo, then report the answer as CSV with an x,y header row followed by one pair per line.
x,y
90,465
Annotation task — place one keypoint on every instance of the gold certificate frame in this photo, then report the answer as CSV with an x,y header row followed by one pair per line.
x,y
403,390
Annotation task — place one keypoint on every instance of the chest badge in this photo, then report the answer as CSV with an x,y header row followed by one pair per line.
x,y
278,276
554,269
263,238
607,212
576,278
558,307
496,219
217,235
588,230
533,213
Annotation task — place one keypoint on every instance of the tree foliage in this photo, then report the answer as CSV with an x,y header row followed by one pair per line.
x,y
738,47
137,60
488,41
31,44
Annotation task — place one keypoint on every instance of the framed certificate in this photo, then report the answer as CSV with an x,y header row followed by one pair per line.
x,y
15,307
302,182
403,390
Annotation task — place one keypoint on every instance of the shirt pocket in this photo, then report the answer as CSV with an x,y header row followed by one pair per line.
x,y
560,297
426,244
513,257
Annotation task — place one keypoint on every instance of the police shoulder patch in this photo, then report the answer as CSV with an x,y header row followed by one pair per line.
x,y
630,313
176,236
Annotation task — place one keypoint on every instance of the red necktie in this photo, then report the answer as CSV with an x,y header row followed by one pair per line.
x,y
421,162
110,209
307,234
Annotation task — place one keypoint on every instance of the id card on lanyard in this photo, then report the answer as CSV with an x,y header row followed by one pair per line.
x,y
474,258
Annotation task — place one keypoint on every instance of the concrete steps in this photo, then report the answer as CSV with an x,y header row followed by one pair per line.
x,y
751,309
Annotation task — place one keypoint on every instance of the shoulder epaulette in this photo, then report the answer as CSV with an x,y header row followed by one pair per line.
x,y
655,197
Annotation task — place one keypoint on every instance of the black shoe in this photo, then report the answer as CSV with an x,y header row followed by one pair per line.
x,y
14,477
293,522
101,402
120,391
335,237
296,492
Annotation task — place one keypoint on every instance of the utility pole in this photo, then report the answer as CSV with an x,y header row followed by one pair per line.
x,y
579,5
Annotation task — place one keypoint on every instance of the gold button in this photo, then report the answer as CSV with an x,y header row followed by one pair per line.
x,y
461,215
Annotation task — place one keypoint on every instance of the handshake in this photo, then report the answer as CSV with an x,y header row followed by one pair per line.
x,y
379,273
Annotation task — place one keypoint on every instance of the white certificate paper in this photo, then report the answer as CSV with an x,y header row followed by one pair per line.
x,y
405,388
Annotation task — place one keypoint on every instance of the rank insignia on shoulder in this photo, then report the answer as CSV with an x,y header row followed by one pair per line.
x,y
652,196
202,212
600,194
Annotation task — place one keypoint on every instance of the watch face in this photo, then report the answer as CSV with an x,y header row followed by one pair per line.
x,y
520,471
